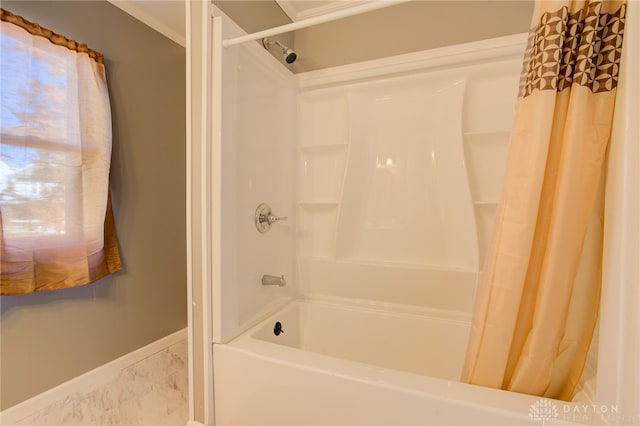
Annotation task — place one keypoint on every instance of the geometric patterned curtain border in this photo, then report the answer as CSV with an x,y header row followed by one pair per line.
x,y
583,48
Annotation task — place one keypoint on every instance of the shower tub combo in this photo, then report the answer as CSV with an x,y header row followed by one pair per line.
x,y
345,363
390,173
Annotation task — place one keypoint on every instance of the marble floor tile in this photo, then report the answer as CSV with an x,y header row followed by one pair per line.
x,y
152,392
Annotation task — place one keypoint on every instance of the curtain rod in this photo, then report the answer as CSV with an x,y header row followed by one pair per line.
x,y
328,17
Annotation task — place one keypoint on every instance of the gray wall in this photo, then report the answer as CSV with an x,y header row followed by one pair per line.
x,y
257,15
48,338
408,27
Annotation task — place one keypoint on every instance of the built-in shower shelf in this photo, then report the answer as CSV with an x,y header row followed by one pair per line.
x,y
315,227
481,203
312,258
319,203
322,149
486,158
320,172
486,135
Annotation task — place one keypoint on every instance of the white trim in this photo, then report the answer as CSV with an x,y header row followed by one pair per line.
x,y
447,56
289,10
618,376
189,225
199,223
89,380
211,185
146,18
330,7
328,17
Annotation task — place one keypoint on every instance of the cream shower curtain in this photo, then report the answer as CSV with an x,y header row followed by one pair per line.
x,y
537,301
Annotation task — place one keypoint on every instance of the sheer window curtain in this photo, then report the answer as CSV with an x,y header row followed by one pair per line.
x,y
56,225
538,297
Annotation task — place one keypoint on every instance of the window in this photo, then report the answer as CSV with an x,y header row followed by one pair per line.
x,y
55,149
35,144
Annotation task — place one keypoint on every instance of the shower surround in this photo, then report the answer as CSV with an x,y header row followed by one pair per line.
x,y
389,172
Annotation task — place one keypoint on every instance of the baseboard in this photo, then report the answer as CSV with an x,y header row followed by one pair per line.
x,y
87,381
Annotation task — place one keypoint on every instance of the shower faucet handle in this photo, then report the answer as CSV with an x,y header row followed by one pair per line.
x,y
264,218
273,218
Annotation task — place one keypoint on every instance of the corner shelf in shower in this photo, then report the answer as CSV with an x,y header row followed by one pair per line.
x,y
486,158
320,173
324,148
318,203
488,135
486,155
316,228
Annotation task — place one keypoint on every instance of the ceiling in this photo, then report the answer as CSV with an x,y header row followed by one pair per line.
x,y
167,16
303,9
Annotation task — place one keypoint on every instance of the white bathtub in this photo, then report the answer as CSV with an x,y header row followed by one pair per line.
x,y
341,362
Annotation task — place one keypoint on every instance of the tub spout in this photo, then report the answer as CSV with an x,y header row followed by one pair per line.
x,y
273,280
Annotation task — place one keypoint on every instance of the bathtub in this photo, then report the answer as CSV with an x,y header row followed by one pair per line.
x,y
348,362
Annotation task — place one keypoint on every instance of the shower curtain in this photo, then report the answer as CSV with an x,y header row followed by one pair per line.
x,y
538,296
